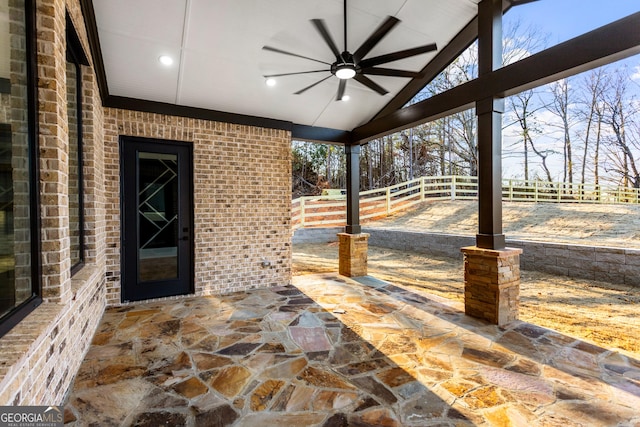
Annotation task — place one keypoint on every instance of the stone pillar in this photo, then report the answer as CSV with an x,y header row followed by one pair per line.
x,y
492,284
352,254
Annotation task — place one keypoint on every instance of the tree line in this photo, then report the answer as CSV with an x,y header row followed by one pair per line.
x,y
583,129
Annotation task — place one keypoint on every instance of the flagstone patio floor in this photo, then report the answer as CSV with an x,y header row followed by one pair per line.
x,y
332,351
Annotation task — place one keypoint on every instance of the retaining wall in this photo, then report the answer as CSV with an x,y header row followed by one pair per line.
x,y
615,265
316,235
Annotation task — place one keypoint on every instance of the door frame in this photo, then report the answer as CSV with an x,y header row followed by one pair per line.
x,y
185,185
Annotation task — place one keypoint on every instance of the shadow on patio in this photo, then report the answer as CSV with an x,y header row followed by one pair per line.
x,y
331,351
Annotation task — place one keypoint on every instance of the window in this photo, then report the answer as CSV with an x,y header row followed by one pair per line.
x,y
75,58
19,234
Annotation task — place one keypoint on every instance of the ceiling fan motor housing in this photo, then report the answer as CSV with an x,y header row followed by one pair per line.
x,y
346,63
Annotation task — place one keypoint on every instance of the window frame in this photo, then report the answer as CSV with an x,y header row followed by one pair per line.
x,y
20,311
75,55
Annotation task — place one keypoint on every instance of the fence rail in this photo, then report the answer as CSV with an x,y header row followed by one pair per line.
x,y
330,211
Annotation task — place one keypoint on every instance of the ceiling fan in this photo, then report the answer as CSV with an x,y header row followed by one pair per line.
x,y
354,65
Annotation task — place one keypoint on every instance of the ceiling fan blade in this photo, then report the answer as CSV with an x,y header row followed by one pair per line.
x,y
312,85
390,72
284,52
370,84
374,38
395,56
322,29
293,74
341,87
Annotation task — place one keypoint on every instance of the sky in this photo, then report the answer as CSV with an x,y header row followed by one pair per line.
x,y
565,19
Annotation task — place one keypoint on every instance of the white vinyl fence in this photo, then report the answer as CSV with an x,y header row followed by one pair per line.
x,y
330,211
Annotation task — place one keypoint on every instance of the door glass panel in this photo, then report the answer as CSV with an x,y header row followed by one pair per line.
x,y
157,216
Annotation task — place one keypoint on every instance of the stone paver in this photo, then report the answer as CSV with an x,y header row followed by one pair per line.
x,y
332,351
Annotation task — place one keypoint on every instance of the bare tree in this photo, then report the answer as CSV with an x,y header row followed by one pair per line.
x,y
621,109
524,109
593,87
429,148
519,41
562,98
599,110
307,168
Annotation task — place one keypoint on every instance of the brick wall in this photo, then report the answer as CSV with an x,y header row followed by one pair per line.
x,y
242,201
40,356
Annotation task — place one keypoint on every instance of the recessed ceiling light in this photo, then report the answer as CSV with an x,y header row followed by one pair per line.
x,y
270,82
165,60
345,98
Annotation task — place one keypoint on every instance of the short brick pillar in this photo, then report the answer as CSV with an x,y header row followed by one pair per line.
x,y
352,254
492,284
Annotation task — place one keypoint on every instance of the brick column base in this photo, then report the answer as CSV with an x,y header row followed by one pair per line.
x,y
352,254
492,284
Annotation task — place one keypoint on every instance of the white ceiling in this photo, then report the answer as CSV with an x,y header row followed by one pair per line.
x,y
219,62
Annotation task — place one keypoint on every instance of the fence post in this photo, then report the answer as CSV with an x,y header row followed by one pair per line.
x,y
302,212
453,187
388,201
581,190
476,184
559,192
422,189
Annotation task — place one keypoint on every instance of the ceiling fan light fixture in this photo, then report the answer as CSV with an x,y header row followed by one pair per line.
x,y
345,98
270,82
345,71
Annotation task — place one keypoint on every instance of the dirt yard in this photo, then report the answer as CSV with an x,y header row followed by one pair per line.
x,y
584,224
602,313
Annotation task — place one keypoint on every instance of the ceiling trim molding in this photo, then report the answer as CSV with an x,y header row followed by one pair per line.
x,y
320,134
298,132
599,47
146,106
91,25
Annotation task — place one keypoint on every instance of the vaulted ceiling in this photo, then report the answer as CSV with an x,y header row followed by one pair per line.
x,y
220,64
219,61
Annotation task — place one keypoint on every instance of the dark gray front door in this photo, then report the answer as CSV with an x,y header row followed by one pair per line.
x,y
157,218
